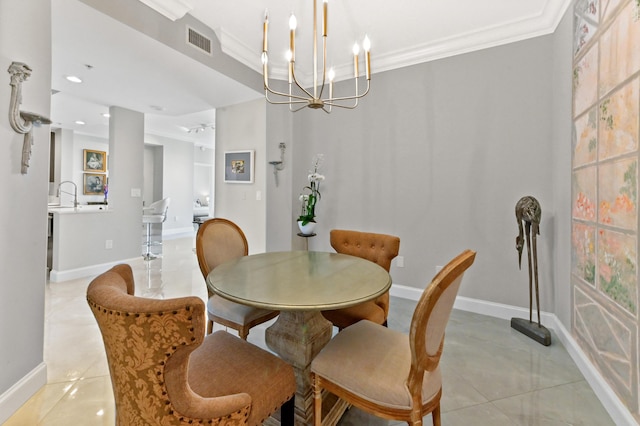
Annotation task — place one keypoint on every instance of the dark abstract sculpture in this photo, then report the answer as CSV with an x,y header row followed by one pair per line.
x,y
528,215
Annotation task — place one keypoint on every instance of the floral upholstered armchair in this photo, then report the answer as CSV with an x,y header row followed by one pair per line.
x,y
165,372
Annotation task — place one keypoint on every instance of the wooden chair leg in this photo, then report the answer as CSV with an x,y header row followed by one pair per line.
x,y
244,333
209,326
317,400
435,414
287,412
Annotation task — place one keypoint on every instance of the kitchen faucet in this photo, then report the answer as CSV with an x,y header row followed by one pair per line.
x,y
75,191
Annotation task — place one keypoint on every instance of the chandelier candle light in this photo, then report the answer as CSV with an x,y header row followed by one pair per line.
x,y
304,97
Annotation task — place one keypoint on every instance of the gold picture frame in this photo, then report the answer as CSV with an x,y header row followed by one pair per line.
x,y
94,161
94,183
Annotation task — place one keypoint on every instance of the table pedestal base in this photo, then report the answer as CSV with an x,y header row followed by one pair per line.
x,y
298,336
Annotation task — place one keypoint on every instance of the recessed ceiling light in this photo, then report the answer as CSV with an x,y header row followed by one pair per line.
x,y
74,79
80,122
106,115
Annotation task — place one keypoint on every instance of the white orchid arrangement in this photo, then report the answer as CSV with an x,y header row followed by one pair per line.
x,y
310,199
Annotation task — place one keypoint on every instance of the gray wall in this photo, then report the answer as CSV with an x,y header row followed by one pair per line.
x,y
561,165
126,148
177,182
439,154
25,36
243,127
281,231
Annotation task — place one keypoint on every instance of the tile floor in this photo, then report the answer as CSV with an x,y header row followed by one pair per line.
x,y
493,375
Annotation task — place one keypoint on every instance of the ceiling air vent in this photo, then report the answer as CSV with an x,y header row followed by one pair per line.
x,y
199,41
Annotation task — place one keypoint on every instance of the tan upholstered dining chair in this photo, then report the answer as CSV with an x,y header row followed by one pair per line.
x,y
385,372
217,241
164,371
378,248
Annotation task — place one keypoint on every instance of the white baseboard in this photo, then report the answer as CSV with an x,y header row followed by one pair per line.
x,y
615,407
20,392
86,271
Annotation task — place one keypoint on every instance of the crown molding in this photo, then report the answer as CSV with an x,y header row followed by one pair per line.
x,y
505,33
484,38
172,9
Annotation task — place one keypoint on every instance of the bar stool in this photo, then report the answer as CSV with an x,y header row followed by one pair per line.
x,y
157,213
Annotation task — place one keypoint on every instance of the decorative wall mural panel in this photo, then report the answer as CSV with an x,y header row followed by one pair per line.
x,y
605,146
608,7
609,341
584,194
585,79
619,50
619,115
583,253
585,138
617,268
618,191
585,22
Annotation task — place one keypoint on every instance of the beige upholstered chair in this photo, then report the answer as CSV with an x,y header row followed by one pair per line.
x,y
165,372
378,248
385,372
217,241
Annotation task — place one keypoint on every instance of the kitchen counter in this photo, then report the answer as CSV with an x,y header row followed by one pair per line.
x,y
99,208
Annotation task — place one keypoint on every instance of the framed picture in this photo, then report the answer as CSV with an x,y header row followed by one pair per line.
x,y
94,183
94,161
238,166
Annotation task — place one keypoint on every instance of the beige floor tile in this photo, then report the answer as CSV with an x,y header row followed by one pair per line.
x,y
32,412
492,374
89,402
478,415
570,404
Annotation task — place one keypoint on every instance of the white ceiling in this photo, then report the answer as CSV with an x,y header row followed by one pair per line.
x,y
175,92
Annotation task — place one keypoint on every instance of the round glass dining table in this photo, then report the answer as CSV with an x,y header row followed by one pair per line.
x,y
300,284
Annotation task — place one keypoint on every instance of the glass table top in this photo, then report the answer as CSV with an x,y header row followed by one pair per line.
x,y
299,280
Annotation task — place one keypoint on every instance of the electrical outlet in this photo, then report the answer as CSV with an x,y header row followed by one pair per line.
x,y
400,261
108,244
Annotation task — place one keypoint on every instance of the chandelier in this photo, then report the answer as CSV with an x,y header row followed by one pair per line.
x,y
300,97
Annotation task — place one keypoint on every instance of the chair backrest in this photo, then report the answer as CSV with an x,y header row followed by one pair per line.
x,y
160,207
148,343
378,248
217,241
430,318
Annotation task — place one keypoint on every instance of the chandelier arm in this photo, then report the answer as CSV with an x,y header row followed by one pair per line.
x,y
287,102
286,95
295,80
297,109
331,104
303,101
348,98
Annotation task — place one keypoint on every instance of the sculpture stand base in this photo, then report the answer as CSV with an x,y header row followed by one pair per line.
x,y
531,329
